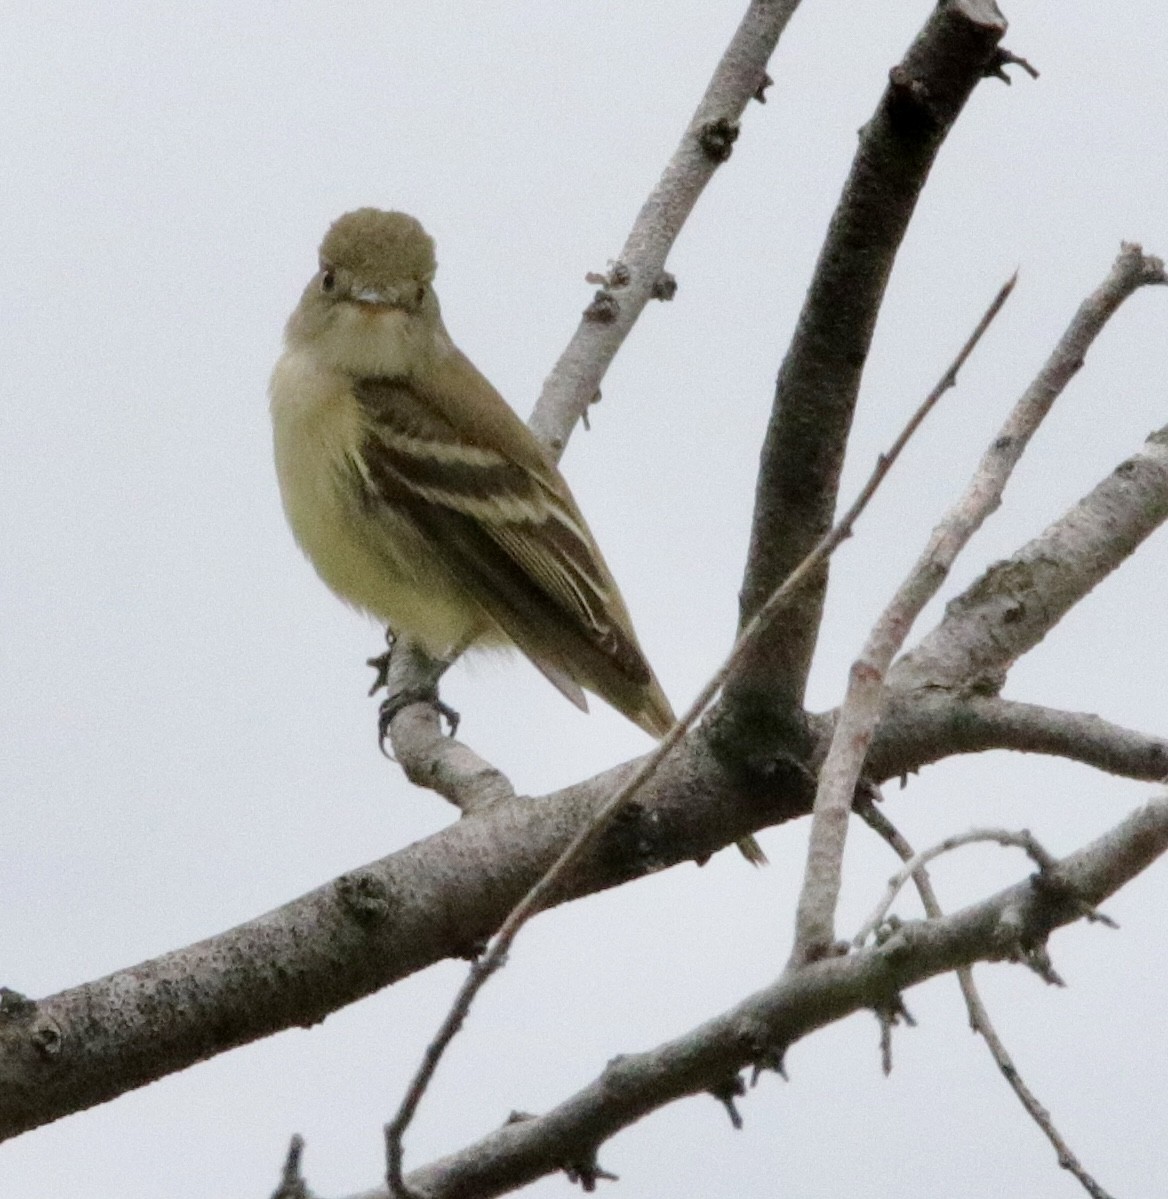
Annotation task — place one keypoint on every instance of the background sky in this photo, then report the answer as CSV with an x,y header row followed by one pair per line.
x,y
186,737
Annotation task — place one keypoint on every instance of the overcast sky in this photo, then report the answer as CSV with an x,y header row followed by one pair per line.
x,y
186,737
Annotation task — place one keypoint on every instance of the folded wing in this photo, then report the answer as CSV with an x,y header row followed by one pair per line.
x,y
512,537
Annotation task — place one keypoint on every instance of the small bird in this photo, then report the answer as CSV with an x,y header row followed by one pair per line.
x,y
419,495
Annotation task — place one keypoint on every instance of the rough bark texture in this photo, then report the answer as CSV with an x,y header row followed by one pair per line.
x,y
819,381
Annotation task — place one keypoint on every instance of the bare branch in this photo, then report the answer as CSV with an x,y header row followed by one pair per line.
x,y
860,712
1019,839
1017,602
542,892
927,726
979,1021
376,924
979,1017
366,930
636,277
428,757
820,377
759,1028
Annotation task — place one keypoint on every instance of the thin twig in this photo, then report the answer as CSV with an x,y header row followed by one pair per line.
x,y
860,711
586,838
990,625
292,1184
979,1018
1022,839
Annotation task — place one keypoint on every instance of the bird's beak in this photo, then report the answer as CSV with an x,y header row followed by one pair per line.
x,y
369,295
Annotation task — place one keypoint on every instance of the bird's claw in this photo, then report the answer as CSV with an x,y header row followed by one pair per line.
x,y
391,706
380,664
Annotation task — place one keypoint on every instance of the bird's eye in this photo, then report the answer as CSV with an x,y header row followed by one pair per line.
x,y
328,281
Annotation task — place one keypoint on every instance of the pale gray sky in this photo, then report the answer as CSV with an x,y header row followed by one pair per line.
x,y
186,736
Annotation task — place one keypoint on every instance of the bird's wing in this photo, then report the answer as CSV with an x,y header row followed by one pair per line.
x,y
517,544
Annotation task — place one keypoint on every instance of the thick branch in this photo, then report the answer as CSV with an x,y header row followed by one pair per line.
x,y
758,1030
378,924
817,387
436,899
930,725
1017,602
637,274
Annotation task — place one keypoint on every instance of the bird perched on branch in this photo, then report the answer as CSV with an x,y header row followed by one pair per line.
x,y
418,494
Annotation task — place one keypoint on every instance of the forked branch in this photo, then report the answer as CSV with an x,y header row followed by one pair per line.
x,y
1016,603
545,890
758,1030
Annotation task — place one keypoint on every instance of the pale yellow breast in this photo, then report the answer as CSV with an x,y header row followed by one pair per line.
x,y
373,559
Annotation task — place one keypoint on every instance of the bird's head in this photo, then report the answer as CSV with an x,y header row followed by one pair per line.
x,y
372,299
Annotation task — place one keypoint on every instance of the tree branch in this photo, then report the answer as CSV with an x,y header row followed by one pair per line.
x,y
915,864
1017,602
637,275
820,377
979,1017
376,925
428,757
860,712
438,898
543,890
758,1030
927,726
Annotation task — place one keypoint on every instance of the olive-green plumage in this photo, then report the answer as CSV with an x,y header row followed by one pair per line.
x,y
380,248
418,494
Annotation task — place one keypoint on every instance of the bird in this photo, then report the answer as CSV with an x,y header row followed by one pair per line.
x,y
422,499
418,494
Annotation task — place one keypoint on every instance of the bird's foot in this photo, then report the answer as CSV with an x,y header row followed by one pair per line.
x,y
392,705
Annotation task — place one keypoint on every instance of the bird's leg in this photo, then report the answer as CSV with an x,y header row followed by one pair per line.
x,y
410,676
